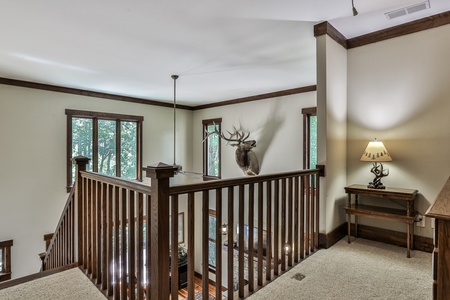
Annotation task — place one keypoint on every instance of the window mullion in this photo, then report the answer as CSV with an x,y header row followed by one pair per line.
x,y
95,145
118,148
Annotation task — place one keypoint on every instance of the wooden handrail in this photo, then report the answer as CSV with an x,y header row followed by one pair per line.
x,y
440,210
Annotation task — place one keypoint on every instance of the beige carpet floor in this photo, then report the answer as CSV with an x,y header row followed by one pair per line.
x,y
67,285
361,270
358,271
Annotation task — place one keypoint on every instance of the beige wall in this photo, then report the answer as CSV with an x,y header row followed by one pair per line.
x,y
332,129
399,92
33,160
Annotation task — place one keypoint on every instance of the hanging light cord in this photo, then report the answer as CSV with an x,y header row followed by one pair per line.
x,y
174,77
355,12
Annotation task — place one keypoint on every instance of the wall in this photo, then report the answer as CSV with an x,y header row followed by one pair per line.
x,y
399,92
33,166
332,129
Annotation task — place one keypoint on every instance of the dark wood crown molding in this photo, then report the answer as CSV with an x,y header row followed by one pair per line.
x,y
299,90
327,28
384,34
400,30
80,92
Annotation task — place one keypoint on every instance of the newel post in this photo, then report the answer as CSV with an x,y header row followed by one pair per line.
x,y
81,163
159,229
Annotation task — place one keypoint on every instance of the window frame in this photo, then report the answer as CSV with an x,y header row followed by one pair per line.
x,y
96,116
307,113
205,124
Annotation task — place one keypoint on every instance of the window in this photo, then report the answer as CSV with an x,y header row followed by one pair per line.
x,y
211,148
212,240
113,142
309,137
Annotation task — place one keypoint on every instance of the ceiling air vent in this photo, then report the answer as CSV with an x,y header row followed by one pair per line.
x,y
407,10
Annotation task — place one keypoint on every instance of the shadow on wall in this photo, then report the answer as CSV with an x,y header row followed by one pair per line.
x,y
266,133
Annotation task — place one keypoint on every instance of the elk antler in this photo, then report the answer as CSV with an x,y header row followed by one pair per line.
x,y
238,137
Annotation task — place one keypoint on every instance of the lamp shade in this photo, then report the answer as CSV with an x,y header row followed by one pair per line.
x,y
375,151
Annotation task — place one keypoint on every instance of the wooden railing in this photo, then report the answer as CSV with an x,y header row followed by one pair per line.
x,y
62,246
5,260
440,210
122,231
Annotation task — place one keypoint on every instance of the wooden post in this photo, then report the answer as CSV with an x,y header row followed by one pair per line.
x,y
81,163
159,227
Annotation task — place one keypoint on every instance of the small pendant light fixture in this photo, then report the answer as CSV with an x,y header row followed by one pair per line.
x,y
355,12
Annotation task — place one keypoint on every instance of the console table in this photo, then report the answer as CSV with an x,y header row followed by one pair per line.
x,y
378,212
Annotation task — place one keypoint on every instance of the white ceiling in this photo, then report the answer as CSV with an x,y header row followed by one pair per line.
x,y
222,49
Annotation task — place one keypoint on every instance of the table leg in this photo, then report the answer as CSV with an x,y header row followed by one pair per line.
x,y
408,241
349,222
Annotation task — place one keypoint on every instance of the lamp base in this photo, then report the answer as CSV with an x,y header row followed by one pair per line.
x,y
376,185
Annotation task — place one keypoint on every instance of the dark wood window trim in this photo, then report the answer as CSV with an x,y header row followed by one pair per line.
x,y
307,113
205,123
95,116
5,249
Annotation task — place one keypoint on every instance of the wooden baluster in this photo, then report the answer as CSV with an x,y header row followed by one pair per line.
x,y
116,230
109,237
296,221
290,221
317,206
104,236
191,245
140,246
205,244
230,192
174,248
98,231
302,217
307,214
260,234
218,243
123,246
276,223
241,282
251,238
284,241
269,230
148,232
131,245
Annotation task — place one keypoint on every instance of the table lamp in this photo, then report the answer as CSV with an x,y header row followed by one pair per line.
x,y
377,153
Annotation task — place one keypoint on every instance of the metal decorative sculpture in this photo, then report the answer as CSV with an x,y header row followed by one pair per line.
x,y
245,157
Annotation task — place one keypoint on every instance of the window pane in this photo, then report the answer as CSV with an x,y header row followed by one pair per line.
x,y
107,147
313,142
212,228
81,140
213,151
128,155
212,253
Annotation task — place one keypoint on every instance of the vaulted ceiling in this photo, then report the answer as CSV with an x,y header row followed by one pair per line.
x,y
221,49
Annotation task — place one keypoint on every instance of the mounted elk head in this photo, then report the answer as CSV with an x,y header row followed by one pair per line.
x,y
245,157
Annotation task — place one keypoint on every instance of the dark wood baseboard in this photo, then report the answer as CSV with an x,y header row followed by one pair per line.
x,y
375,234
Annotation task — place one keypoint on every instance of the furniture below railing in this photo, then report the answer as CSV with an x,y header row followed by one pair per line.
x,y
406,216
5,260
120,232
440,210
